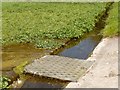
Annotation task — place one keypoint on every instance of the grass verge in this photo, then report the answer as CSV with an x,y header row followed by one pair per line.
x,y
111,28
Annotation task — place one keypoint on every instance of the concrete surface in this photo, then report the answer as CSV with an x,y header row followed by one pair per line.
x,y
104,73
59,67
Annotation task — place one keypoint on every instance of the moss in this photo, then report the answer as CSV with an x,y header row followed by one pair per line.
x,y
20,68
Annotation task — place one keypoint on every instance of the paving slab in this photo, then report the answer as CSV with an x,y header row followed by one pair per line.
x,y
59,67
104,73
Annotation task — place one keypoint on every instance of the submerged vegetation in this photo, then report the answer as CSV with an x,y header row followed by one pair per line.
x,y
47,25
111,28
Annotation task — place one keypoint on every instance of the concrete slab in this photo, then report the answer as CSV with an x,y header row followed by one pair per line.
x,y
104,73
59,67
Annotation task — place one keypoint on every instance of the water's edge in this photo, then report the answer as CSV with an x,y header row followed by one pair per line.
x,y
33,81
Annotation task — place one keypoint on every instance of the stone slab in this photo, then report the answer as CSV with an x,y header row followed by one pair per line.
x,y
59,67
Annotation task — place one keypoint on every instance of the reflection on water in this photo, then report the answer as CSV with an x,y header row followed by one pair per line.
x,y
43,82
14,55
83,49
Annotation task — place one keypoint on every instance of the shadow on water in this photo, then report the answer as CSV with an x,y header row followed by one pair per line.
x,y
43,82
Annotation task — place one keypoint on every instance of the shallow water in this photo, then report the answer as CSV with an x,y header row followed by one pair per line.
x,y
83,49
16,54
43,82
13,55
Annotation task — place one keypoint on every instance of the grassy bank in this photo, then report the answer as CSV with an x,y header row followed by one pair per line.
x,y
111,28
47,25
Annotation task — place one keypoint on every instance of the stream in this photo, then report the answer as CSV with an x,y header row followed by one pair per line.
x,y
13,55
83,48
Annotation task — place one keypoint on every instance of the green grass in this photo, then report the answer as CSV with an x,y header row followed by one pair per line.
x,y
47,25
111,28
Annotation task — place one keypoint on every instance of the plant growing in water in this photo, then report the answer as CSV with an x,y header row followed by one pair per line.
x,y
4,82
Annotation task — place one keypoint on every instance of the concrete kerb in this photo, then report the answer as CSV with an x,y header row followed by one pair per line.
x,y
96,53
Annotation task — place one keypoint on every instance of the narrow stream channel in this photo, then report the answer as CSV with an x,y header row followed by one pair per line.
x,y
78,48
83,48
14,55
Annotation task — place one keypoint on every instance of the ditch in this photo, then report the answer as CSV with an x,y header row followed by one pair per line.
x,y
76,48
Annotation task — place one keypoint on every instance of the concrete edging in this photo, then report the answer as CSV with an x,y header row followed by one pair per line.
x,y
104,44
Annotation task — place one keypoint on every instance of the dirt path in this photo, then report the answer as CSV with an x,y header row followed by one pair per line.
x,y
104,73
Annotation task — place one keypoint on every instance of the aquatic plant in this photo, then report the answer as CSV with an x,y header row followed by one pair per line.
x,y
43,23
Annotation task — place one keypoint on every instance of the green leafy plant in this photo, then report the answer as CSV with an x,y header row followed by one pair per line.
x,y
4,82
42,23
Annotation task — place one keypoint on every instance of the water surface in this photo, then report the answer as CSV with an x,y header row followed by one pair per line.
x,y
83,49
